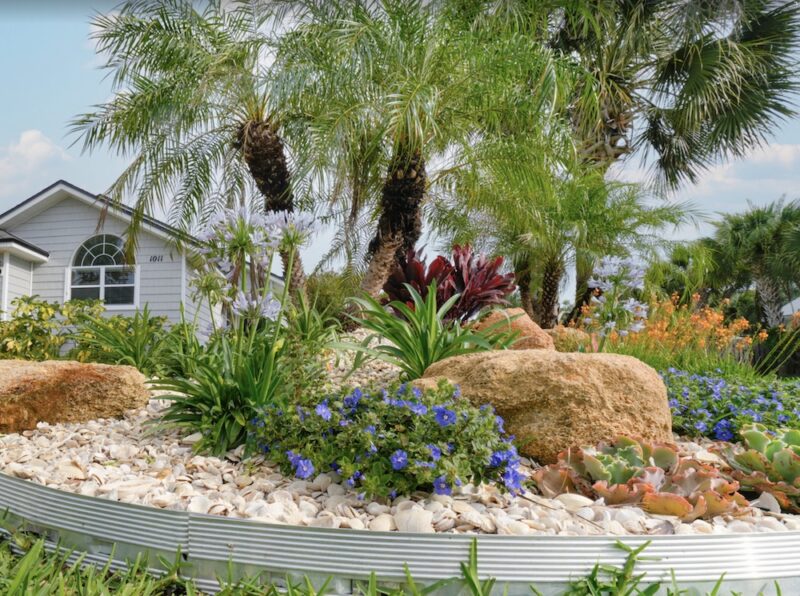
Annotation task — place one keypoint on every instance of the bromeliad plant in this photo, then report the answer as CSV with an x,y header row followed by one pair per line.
x,y
391,442
421,334
770,463
474,278
652,476
243,368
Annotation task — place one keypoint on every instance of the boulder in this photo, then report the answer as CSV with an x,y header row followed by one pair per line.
x,y
552,400
569,339
531,336
58,391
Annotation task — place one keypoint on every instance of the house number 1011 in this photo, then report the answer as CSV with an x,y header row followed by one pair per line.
x,y
157,258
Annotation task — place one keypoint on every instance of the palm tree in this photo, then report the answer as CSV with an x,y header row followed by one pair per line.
x,y
193,110
686,82
760,240
542,207
396,90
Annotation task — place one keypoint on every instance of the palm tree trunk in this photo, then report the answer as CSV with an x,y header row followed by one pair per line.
x,y
522,275
583,293
769,295
265,156
400,222
546,308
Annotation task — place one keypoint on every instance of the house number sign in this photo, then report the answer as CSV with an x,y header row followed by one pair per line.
x,y
157,259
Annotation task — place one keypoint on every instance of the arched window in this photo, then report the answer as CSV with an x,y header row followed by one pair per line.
x,y
100,272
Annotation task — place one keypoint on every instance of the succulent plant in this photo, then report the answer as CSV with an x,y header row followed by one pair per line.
x,y
475,278
770,463
653,476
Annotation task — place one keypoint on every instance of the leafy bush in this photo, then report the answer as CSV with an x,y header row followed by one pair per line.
x,y
421,334
719,407
474,279
247,363
37,329
390,442
770,463
329,292
136,341
632,472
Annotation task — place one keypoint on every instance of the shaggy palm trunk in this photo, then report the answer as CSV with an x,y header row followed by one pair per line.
x,y
583,293
769,295
400,222
522,275
546,307
265,156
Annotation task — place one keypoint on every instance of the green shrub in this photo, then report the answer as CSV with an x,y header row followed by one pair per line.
x,y
421,335
37,329
390,442
329,292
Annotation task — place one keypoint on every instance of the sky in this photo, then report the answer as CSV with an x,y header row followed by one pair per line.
x,y
50,74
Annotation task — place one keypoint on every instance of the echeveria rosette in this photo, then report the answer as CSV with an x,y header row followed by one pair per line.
x,y
395,441
718,408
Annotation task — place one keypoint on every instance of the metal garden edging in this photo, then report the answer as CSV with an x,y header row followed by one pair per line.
x,y
212,546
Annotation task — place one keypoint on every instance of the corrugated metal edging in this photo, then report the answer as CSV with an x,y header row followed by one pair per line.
x,y
210,543
356,553
112,521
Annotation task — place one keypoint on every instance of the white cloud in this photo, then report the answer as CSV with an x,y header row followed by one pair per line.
x,y
783,154
25,161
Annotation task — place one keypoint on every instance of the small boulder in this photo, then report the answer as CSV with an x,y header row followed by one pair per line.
x,y
569,339
552,401
57,391
530,335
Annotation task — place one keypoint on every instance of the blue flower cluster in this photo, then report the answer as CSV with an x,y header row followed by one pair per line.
x,y
398,440
717,407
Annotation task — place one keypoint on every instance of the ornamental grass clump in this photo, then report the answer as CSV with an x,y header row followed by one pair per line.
x,y
769,463
390,442
652,476
718,407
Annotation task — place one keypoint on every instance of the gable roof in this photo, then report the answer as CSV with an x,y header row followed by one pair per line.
x,y
60,189
57,191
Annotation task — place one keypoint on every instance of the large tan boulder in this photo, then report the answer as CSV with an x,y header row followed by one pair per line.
x,y
552,400
531,336
569,339
62,391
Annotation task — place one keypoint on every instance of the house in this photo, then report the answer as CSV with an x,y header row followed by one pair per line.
x,y
790,308
64,243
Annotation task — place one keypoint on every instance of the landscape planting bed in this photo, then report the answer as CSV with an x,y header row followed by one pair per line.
x,y
101,527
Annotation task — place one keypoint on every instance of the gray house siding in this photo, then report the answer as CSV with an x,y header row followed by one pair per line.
x,y
66,225
19,279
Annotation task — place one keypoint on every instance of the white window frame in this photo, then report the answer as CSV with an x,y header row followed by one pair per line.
x,y
102,285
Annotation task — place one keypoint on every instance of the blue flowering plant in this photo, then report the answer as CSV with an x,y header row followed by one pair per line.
x,y
719,408
390,442
615,309
245,363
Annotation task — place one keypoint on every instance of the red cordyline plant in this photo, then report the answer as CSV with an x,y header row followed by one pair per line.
x,y
475,278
